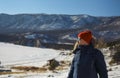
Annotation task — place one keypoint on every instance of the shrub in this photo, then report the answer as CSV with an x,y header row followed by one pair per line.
x,y
116,55
53,64
100,43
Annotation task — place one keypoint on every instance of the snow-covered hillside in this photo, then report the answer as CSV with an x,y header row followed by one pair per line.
x,y
37,22
15,55
56,25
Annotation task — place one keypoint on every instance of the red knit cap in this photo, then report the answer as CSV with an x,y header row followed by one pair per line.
x,y
86,36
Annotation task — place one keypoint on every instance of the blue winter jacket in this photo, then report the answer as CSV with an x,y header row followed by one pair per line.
x,y
88,62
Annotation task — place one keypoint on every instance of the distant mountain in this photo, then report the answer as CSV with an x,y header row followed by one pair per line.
x,y
38,22
59,28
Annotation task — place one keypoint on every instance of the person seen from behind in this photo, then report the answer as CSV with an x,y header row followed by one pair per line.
x,y
88,62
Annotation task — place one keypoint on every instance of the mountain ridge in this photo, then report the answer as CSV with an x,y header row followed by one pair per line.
x,y
60,26
43,21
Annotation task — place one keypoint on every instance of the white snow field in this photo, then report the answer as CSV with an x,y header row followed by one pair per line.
x,y
11,54
16,55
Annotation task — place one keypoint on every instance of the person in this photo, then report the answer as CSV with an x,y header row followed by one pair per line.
x,y
88,62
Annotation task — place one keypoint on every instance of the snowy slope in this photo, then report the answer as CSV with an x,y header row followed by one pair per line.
x,y
15,54
11,54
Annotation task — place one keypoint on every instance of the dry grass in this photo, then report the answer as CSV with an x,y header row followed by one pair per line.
x,y
4,73
30,68
63,65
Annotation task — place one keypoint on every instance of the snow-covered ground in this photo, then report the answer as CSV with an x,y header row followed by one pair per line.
x,y
11,54
15,55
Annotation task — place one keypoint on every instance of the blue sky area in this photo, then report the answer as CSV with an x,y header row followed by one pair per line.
x,y
71,7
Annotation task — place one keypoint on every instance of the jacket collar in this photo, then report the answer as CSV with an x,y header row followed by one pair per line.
x,y
83,48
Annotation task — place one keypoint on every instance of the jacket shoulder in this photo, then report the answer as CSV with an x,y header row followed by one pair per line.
x,y
98,53
97,50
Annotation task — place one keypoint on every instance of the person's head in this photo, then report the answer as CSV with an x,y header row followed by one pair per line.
x,y
85,37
